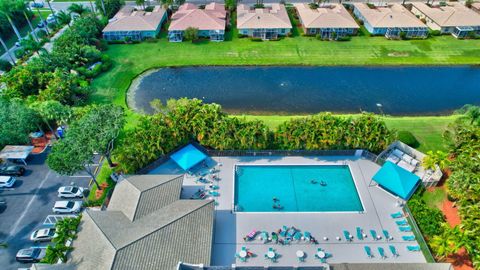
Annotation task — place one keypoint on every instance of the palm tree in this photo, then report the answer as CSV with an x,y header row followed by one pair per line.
x,y
7,50
7,7
78,9
23,6
64,18
41,18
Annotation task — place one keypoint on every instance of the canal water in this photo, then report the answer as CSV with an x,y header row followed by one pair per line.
x,y
300,90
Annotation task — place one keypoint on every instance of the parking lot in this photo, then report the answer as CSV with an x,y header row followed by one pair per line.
x,y
28,203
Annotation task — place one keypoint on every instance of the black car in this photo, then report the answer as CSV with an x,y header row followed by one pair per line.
x,y
12,170
29,255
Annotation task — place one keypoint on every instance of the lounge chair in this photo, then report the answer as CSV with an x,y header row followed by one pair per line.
x,y
307,236
200,194
402,222
382,252
264,236
394,251
250,236
297,236
408,237
374,235
396,215
387,235
359,233
214,193
413,248
405,228
275,238
368,250
347,235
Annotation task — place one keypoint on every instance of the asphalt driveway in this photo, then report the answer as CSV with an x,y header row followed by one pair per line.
x,y
28,203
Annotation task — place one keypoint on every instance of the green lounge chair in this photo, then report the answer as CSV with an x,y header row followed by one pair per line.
x,y
374,234
381,251
402,222
307,235
359,233
405,228
368,250
347,235
394,251
408,237
396,215
413,248
297,236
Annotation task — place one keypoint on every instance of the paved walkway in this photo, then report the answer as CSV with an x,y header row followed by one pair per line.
x,y
231,227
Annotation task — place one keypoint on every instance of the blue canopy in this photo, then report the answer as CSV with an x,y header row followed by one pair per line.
x,y
188,156
396,180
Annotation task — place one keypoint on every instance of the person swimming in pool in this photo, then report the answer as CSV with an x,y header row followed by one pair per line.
x,y
277,206
275,199
323,183
313,181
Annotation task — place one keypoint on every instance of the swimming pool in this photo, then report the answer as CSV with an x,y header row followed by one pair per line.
x,y
297,188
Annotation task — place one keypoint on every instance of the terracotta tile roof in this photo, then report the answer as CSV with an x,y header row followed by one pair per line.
x,y
453,14
326,16
127,19
272,16
213,17
392,15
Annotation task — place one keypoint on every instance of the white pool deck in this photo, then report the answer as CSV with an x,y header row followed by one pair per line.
x,y
230,228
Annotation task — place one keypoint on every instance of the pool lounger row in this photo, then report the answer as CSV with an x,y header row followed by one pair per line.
x,y
408,237
381,251
405,228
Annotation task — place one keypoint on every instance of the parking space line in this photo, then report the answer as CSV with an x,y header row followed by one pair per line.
x,y
19,220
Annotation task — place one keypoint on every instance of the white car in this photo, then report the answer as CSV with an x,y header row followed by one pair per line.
x,y
44,234
7,181
51,19
70,192
67,207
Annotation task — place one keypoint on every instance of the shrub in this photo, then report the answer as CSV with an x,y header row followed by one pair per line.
x,y
256,39
344,38
149,8
428,219
407,138
434,33
191,34
19,53
241,36
5,65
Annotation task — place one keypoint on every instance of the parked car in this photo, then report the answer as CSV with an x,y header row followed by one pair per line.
x,y
67,207
51,19
29,255
37,4
12,170
7,181
44,234
70,192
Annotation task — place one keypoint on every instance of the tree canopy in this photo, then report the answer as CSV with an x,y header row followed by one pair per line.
x,y
16,122
189,119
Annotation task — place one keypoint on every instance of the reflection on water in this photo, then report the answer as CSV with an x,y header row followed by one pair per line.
x,y
297,90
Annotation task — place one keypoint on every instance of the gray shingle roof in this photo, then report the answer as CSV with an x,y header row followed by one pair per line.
x,y
139,195
164,230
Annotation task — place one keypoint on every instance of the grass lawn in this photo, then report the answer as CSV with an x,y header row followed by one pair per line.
x,y
434,198
427,129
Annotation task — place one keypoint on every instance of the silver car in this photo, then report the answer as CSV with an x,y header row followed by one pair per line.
x,y
67,207
44,234
70,192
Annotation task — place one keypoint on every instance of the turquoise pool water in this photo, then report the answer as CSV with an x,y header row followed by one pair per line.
x,y
332,189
